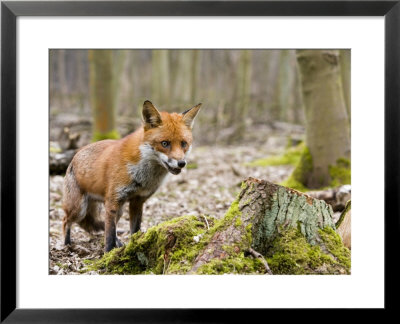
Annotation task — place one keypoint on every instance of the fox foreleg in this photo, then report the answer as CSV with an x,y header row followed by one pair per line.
x,y
112,215
135,213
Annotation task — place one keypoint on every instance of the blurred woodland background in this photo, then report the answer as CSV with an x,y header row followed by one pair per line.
x,y
279,115
239,88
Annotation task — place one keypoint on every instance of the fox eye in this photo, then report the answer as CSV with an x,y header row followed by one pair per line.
x,y
184,144
165,143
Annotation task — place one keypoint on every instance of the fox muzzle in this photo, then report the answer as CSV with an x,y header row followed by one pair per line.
x,y
175,166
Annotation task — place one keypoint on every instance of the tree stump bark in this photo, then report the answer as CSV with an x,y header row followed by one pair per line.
x,y
344,225
268,229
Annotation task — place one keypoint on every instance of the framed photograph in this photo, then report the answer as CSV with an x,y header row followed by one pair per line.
x,y
255,91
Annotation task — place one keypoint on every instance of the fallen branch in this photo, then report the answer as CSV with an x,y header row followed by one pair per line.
x,y
336,197
58,162
255,254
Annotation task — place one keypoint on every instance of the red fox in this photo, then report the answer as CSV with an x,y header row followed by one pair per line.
x,y
129,169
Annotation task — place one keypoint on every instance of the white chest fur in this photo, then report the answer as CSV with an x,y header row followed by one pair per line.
x,y
146,176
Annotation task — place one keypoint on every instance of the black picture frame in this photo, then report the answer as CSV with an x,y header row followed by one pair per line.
x,y
11,10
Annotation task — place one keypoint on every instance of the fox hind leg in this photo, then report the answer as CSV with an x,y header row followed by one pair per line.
x,y
90,221
66,232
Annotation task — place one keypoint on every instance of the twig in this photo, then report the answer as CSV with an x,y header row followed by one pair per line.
x,y
166,268
257,255
208,227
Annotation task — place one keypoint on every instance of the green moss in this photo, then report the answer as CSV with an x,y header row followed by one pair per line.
x,y
232,212
335,246
291,182
170,248
166,248
192,166
62,266
290,253
291,156
55,149
239,264
238,222
249,233
299,175
233,215
173,246
97,136
340,173
236,262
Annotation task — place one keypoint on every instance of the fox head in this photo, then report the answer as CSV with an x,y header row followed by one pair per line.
x,y
168,136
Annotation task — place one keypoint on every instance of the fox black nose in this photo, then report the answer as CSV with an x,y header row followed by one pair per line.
x,y
181,163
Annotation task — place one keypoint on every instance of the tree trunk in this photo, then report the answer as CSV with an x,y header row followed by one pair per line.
x,y
345,68
132,66
243,79
327,125
53,74
298,110
273,84
160,78
268,229
102,94
195,74
62,78
285,85
119,58
81,83
183,77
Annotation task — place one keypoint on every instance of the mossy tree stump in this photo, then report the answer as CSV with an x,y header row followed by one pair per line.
x,y
292,232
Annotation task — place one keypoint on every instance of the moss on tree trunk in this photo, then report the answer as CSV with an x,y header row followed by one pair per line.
x,y
327,122
294,232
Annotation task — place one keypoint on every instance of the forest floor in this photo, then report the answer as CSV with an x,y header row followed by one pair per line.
x,y
207,186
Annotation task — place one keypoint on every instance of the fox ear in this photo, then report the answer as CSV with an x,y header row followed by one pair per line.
x,y
151,115
190,114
